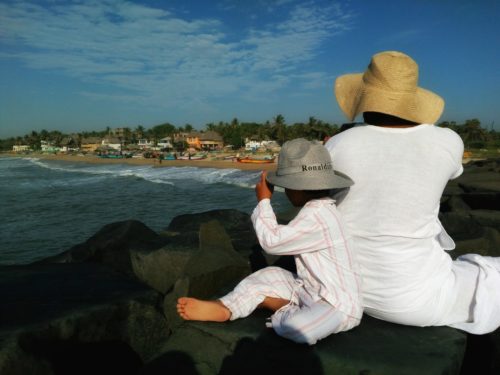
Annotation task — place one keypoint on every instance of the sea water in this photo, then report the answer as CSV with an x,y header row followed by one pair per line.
x,y
47,206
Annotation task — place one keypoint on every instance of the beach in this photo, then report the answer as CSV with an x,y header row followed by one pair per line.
x,y
204,163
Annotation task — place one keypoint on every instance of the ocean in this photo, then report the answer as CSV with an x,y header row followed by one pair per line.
x,y
47,206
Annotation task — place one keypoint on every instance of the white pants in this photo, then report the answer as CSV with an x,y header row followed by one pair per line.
x,y
468,298
305,319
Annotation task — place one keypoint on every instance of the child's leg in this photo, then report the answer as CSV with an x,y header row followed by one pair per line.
x,y
270,287
308,324
196,309
215,311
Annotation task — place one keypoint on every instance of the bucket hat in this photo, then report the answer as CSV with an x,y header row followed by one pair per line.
x,y
306,165
389,85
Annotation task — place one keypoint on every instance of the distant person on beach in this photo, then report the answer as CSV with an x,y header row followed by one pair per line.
x,y
401,163
324,296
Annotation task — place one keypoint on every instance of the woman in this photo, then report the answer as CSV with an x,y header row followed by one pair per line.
x,y
401,163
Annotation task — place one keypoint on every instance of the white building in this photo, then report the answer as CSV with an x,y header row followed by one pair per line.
x,y
48,146
112,142
165,143
251,145
20,148
145,144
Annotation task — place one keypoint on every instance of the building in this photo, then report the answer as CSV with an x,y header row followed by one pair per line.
x,y
48,146
165,143
112,142
145,144
253,145
193,140
211,141
21,148
119,132
69,144
90,144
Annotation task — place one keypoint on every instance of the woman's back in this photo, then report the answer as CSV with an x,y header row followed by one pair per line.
x,y
392,209
399,176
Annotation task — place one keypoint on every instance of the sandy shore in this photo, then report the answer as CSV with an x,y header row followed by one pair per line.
x,y
205,163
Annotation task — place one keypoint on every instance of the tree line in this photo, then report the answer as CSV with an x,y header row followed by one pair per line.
x,y
235,132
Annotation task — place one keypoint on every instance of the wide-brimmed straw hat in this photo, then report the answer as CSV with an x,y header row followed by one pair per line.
x,y
306,165
389,85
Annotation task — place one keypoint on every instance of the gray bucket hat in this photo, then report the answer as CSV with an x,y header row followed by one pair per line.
x,y
306,165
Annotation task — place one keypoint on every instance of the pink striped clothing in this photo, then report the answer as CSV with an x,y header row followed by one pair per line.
x,y
325,295
324,252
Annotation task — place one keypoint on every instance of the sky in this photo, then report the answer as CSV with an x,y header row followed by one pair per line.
x,y
85,65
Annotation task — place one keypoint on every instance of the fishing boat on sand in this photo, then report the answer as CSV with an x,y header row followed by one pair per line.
x,y
192,157
256,160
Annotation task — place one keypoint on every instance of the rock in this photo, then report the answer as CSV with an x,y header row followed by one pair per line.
x,y
482,200
74,318
460,225
236,224
216,264
487,244
245,346
453,203
486,218
161,268
111,246
208,267
471,232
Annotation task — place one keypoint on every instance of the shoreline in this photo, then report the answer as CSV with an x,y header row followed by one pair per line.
x,y
204,163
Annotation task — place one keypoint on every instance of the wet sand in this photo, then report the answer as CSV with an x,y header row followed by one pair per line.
x,y
204,163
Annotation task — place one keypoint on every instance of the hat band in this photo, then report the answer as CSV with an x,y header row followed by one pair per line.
x,y
304,168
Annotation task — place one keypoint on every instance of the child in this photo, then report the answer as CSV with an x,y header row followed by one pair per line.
x,y
324,297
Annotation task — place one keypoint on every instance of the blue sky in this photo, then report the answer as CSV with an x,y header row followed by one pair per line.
x,y
85,65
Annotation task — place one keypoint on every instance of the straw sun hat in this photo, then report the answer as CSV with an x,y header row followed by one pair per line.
x,y
389,85
305,165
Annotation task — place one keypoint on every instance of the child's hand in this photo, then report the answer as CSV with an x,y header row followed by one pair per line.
x,y
263,190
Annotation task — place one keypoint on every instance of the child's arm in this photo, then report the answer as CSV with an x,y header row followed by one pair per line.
x,y
307,232
263,190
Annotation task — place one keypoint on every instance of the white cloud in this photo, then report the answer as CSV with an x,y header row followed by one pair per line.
x,y
139,53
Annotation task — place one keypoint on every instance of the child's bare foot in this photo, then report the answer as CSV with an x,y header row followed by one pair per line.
x,y
197,309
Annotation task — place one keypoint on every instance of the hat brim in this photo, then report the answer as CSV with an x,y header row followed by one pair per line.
x,y
353,97
314,181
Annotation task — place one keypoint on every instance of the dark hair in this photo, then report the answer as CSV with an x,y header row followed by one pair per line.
x,y
378,118
318,194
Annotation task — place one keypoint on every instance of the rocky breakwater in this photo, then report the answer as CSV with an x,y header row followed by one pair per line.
x,y
108,305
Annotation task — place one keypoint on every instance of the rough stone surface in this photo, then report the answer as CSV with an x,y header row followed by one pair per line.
x,y
235,223
111,246
64,318
246,347
216,264
161,268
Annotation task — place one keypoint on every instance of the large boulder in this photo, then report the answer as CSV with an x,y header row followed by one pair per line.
x,y
236,224
215,267
246,346
111,245
74,319
470,209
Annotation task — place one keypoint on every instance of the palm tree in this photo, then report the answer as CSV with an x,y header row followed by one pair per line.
x,y
279,129
474,135
139,131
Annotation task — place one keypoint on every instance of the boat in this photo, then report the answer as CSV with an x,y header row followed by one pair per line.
x,y
192,157
115,156
169,157
254,160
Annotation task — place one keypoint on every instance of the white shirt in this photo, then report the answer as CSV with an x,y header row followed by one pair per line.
x,y
392,209
322,248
